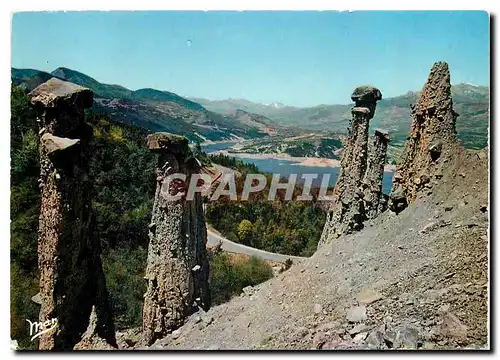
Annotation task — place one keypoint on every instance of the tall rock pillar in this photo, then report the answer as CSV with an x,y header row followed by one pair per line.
x,y
432,141
177,268
373,199
347,213
72,282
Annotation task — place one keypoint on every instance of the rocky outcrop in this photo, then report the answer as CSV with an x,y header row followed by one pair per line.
x,y
373,199
432,141
90,339
177,269
71,278
348,213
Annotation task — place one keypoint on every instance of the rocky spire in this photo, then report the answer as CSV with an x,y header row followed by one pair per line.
x,y
72,282
177,269
372,183
432,140
347,213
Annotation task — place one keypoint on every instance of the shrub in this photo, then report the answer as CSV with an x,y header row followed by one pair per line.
x,y
229,278
288,263
23,287
124,269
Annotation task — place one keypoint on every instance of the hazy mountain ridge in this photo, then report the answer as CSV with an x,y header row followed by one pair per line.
x,y
393,114
158,110
152,109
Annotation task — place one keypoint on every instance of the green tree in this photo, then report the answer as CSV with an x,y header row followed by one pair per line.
x,y
245,231
24,211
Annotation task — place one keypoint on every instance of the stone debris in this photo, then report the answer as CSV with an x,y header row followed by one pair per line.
x,y
356,314
248,290
359,338
452,327
359,328
407,337
367,297
319,339
318,308
375,340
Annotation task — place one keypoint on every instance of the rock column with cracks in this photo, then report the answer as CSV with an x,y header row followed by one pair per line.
x,y
432,141
177,268
374,198
72,281
347,213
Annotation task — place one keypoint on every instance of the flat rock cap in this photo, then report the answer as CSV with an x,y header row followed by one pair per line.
x,y
366,94
55,92
166,141
383,133
55,143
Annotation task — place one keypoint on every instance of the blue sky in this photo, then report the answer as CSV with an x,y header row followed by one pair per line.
x,y
297,58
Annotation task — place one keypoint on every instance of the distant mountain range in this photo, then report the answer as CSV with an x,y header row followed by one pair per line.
x,y
201,119
157,110
393,114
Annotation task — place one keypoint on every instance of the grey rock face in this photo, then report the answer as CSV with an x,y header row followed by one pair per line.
x,y
359,328
319,339
432,141
375,340
452,327
356,314
54,143
372,182
72,282
90,339
367,297
177,269
348,209
407,337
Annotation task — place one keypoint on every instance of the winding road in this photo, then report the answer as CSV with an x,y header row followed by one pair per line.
x,y
230,246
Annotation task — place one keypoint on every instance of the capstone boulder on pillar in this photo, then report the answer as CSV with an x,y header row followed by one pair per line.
x,y
347,212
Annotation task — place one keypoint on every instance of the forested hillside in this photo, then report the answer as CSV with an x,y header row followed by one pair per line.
x,y
152,109
123,174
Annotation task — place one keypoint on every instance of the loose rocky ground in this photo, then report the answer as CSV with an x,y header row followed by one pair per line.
x,y
417,280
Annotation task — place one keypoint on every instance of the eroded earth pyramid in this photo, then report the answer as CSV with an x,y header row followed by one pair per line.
x,y
72,282
177,268
432,141
348,213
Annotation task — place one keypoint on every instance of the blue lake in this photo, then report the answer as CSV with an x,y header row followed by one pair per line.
x,y
216,147
285,168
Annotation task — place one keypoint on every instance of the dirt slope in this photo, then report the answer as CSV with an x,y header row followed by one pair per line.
x,y
428,266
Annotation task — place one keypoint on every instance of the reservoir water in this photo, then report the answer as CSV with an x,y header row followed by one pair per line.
x,y
285,168
217,146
